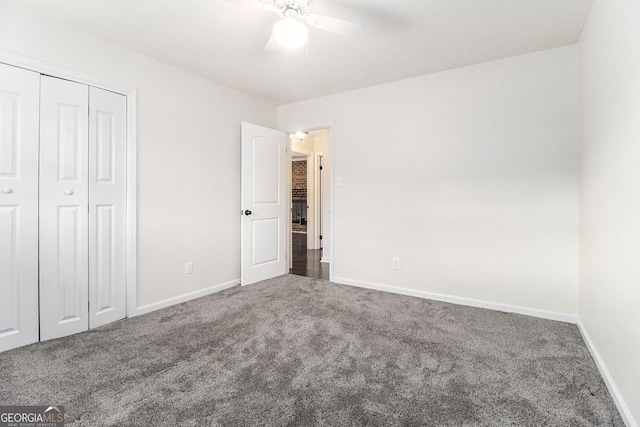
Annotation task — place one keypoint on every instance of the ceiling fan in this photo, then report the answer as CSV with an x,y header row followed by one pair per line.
x,y
291,31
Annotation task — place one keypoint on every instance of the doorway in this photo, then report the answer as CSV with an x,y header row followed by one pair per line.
x,y
309,203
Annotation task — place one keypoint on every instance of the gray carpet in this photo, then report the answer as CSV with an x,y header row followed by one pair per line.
x,y
299,351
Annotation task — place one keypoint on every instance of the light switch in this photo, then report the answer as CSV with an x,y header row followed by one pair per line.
x,y
339,181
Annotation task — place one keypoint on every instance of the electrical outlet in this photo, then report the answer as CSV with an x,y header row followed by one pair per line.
x,y
395,263
188,268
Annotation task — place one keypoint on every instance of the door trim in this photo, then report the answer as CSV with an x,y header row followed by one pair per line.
x,y
131,94
317,180
332,150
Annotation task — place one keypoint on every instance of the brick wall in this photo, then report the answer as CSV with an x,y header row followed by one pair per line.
x,y
299,187
299,177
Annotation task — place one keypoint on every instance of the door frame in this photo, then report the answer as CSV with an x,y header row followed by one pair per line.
x,y
332,144
317,179
131,95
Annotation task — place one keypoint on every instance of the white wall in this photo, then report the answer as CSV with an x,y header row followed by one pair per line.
x,y
188,154
469,175
610,193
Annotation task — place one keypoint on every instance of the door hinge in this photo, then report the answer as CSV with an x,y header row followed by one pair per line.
x,y
320,167
321,237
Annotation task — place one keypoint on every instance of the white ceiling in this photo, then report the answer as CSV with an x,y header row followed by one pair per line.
x,y
223,40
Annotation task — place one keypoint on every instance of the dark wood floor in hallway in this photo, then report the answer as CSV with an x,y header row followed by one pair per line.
x,y
306,262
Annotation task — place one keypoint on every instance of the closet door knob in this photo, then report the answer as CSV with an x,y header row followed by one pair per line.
x,y
7,190
68,192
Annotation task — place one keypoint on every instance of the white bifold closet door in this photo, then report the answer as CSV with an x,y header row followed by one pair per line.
x,y
64,206
82,207
19,105
107,206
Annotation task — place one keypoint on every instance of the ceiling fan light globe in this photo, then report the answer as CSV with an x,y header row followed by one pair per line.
x,y
290,33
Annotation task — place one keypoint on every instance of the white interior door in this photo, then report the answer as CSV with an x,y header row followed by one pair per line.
x,y
19,109
64,275
107,206
264,203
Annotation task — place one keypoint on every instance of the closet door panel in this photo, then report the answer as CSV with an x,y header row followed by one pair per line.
x,y
64,187
19,105
107,206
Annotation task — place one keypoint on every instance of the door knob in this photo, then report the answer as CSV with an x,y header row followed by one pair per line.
x,y
247,212
7,190
68,192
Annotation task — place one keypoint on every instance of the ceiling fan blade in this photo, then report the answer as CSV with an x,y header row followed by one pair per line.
x,y
271,44
333,25
267,6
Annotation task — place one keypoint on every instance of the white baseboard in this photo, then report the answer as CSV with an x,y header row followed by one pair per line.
x,y
148,308
624,410
324,259
545,314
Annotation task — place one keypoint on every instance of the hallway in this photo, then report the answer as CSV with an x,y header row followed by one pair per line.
x,y
306,262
